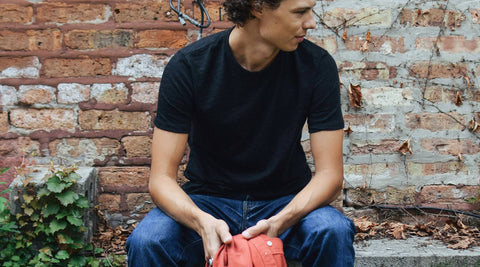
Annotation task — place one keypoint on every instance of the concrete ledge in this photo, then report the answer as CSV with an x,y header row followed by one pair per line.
x,y
86,186
414,251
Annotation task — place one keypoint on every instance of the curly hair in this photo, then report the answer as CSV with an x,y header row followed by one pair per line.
x,y
239,11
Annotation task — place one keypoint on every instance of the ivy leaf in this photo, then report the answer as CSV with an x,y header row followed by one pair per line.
x,y
82,202
28,211
77,261
46,250
27,198
43,192
50,209
67,197
75,220
55,185
64,239
57,225
62,214
62,255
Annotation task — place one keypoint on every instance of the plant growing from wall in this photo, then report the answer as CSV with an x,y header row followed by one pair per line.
x,y
48,230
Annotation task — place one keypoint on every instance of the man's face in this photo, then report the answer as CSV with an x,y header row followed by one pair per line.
x,y
286,26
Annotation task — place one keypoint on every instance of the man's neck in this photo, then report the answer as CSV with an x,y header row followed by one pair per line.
x,y
249,49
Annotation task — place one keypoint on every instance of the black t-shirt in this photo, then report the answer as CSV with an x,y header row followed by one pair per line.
x,y
245,127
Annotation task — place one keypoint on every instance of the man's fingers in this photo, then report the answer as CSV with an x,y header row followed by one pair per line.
x,y
259,228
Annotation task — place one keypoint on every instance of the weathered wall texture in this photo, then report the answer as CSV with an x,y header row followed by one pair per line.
x,y
79,79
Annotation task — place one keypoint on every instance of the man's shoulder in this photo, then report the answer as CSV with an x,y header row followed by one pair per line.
x,y
205,44
308,48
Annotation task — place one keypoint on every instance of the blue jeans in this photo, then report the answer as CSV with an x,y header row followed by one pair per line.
x,y
322,238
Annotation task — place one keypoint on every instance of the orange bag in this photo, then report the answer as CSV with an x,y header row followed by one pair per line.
x,y
260,251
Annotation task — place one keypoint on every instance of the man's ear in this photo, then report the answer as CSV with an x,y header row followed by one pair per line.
x,y
257,9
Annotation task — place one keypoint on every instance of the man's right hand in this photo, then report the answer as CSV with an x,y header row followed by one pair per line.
x,y
214,233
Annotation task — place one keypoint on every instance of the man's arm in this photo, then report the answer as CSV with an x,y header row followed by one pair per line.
x,y
320,191
167,151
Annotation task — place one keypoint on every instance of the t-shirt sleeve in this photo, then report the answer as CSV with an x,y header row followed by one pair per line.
x,y
175,104
326,109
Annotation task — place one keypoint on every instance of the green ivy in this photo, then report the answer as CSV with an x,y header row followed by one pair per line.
x,y
48,231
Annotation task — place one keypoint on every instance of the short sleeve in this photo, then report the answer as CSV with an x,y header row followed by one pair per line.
x,y
175,101
326,109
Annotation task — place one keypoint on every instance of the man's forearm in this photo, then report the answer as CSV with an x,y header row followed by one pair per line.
x,y
320,191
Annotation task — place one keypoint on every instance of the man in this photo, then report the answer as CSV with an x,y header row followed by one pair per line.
x,y
240,99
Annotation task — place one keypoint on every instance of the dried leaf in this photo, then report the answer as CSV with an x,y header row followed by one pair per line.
x,y
364,47
462,244
468,81
473,126
368,37
405,147
399,232
344,36
458,99
355,95
348,131
460,157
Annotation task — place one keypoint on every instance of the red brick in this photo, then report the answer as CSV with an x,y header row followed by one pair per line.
x,y
145,92
18,62
43,119
76,147
4,125
18,147
64,13
451,44
431,17
109,202
368,70
449,195
341,17
137,146
438,70
109,93
450,146
435,121
377,44
128,176
213,10
15,13
62,67
162,39
144,11
375,146
50,39
438,94
327,43
140,202
392,196
30,95
113,120
375,169
451,167
94,39
370,122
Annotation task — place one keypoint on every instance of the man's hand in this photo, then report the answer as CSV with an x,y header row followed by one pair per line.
x,y
214,233
262,227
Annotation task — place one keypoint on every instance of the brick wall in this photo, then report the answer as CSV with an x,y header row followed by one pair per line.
x,y
79,80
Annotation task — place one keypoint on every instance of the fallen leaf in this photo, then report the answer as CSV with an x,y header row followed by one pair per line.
x,y
368,37
405,147
468,81
473,126
355,95
458,99
460,157
348,131
364,47
344,36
